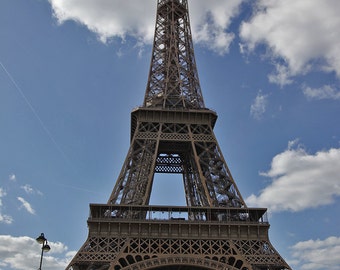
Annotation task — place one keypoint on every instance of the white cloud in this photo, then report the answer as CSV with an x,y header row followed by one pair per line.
x,y
210,21
3,217
30,190
12,177
318,254
281,76
304,33
2,194
7,219
135,18
258,108
26,205
324,92
300,180
23,253
110,18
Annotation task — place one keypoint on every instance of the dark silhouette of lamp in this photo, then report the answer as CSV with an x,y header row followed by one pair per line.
x,y
44,248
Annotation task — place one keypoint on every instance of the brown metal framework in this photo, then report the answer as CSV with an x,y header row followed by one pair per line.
x,y
172,133
173,78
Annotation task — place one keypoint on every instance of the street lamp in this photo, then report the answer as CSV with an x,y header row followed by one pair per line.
x,y
44,248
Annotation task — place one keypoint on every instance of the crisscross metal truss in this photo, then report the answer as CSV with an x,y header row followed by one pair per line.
x,y
173,79
189,149
172,133
146,253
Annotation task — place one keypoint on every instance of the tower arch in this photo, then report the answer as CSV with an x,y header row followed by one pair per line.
x,y
186,263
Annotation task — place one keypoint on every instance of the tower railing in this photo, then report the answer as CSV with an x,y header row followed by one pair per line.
x,y
183,214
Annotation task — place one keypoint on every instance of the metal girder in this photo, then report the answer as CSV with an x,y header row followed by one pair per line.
x,y
190,149
173,79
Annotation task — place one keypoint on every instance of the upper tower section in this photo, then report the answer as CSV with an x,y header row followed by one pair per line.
x,y
173,79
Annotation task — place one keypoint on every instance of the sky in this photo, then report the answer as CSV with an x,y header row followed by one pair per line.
x,y
71,72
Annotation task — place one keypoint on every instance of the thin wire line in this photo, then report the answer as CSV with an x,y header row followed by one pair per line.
x,y
35,113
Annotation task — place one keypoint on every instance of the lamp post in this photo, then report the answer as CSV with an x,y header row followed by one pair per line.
x,y
44,248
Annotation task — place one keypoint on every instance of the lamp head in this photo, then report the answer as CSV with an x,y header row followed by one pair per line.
x,y
41,239
46,248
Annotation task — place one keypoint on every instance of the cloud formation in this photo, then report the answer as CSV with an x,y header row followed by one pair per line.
x,y
304,34
13,192
295,44
300,180
258,108
318,254
211,21
23,253
281,75
26,205
118,19
12,177
324,92
109,18
30,190
3,217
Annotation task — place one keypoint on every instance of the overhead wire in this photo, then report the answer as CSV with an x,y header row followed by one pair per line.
x,y
42,124
46,130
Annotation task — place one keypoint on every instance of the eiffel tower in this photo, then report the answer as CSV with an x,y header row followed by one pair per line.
x,y
172,133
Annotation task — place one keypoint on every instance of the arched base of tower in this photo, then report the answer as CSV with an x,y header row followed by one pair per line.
x,y
185,262
123,243
179,267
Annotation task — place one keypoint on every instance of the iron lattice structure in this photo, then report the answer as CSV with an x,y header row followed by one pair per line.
x,y
173,78
172,133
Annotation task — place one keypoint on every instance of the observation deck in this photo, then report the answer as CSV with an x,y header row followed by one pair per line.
x,y
178,222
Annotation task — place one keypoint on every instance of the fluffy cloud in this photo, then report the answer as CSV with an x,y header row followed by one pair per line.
x,y
3,217
258,108
210,21
300,180
24,253
304,34
318,254
324,92
26,205
115,18
281,75
110,18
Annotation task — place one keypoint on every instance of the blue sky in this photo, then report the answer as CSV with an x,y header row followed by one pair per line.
x,y
72,71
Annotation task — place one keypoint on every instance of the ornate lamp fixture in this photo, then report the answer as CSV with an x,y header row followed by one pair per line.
x,y
44,248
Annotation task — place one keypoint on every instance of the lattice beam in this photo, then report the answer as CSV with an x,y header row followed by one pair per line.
x,y
190,149
173,79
